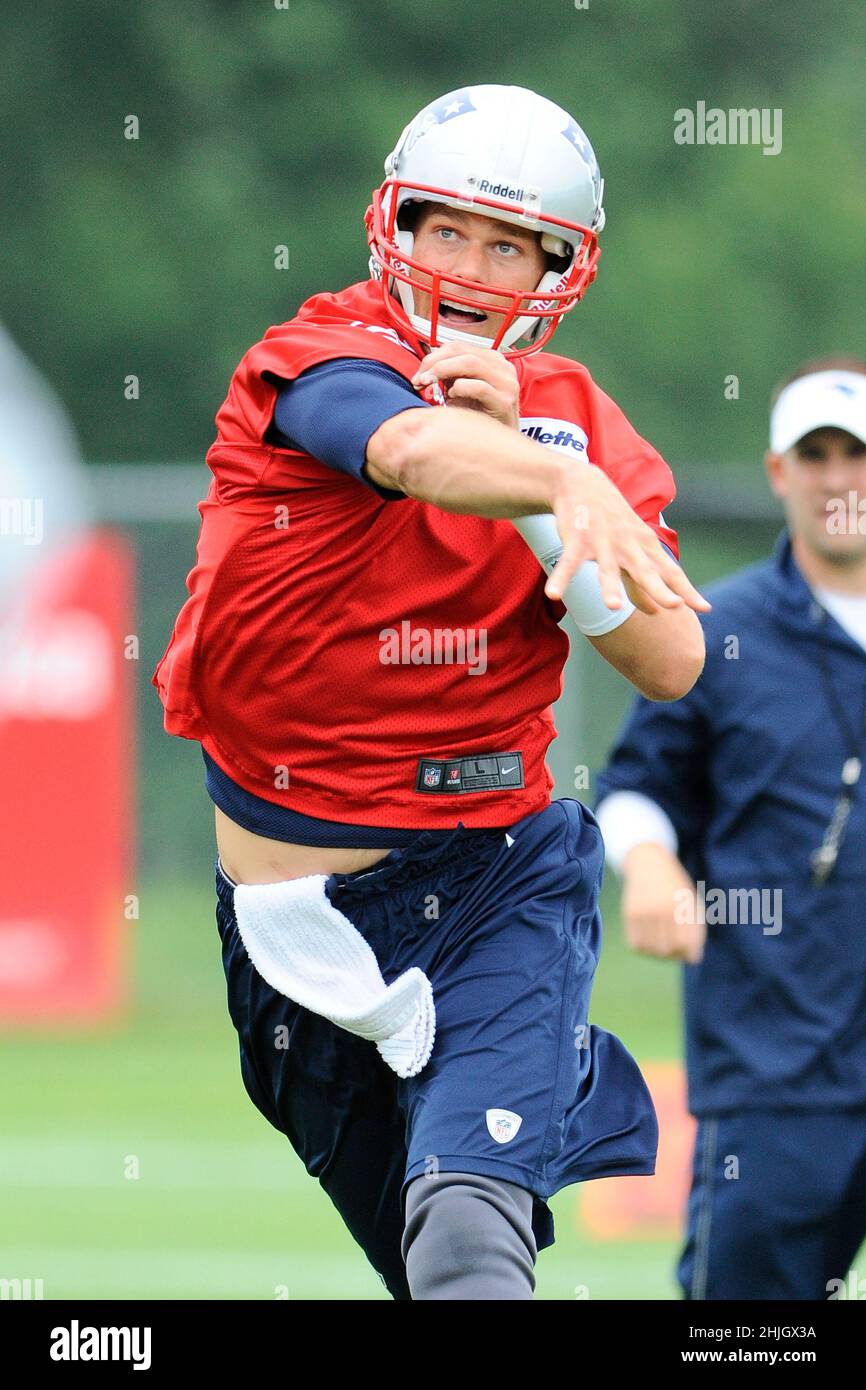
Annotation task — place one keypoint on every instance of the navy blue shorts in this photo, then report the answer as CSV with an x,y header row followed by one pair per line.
x,y
509,936
778,1204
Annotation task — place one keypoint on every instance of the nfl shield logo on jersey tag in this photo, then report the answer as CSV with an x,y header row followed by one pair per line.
x,y
503,1125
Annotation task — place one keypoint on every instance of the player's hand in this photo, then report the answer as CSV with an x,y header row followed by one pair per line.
x,y
660,910
595,522
477,378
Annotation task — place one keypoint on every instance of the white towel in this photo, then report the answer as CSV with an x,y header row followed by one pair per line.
x,y
310,951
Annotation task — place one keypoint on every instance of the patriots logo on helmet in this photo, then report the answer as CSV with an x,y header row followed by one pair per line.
x,y
445,109
455,104
575,136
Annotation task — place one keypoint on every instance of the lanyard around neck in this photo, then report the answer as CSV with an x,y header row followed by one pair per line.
x,y
823,859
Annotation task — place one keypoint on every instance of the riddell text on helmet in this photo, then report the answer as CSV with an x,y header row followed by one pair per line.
x,y
500,190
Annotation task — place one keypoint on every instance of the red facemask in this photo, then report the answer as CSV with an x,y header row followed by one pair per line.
x,y
512,304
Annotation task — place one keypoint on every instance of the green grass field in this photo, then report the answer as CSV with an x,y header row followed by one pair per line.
x,y
221,1207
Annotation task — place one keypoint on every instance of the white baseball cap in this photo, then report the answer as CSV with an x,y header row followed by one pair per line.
x,y
822,398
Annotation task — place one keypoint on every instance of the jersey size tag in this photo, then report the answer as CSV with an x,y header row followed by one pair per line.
x,y
476,772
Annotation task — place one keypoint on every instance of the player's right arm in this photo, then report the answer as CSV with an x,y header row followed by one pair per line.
x,y
363,418
466,462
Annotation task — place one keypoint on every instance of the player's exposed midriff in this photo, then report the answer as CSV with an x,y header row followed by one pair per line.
x,y
249,858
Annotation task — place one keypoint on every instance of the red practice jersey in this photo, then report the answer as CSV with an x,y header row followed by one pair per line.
x,y
378,662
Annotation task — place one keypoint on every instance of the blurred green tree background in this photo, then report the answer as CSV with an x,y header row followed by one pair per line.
x,y
261,126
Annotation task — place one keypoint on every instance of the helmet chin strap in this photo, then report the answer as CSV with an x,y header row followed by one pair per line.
x,y
445,332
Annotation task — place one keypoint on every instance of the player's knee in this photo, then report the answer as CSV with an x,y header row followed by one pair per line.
x,y
468,1237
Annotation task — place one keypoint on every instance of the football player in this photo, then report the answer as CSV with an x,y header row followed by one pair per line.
x,y
356,558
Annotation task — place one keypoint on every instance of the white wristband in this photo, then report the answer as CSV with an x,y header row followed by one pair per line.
x,y
626,819
583,596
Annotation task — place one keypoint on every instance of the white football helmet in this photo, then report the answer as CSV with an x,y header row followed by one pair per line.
x,y
503,152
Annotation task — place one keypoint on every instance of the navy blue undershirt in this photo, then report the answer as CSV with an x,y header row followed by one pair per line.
x,y
279,823
331,410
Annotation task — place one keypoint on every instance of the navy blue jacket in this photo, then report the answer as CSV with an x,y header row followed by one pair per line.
x,y
748,768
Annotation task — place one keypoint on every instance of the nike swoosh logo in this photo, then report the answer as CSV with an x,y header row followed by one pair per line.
x,y
508,769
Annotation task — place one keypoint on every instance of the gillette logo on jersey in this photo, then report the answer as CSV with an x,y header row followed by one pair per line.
x,y
556,434
274,662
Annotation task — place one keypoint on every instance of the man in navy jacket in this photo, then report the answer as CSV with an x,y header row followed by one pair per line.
x,y
736,817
